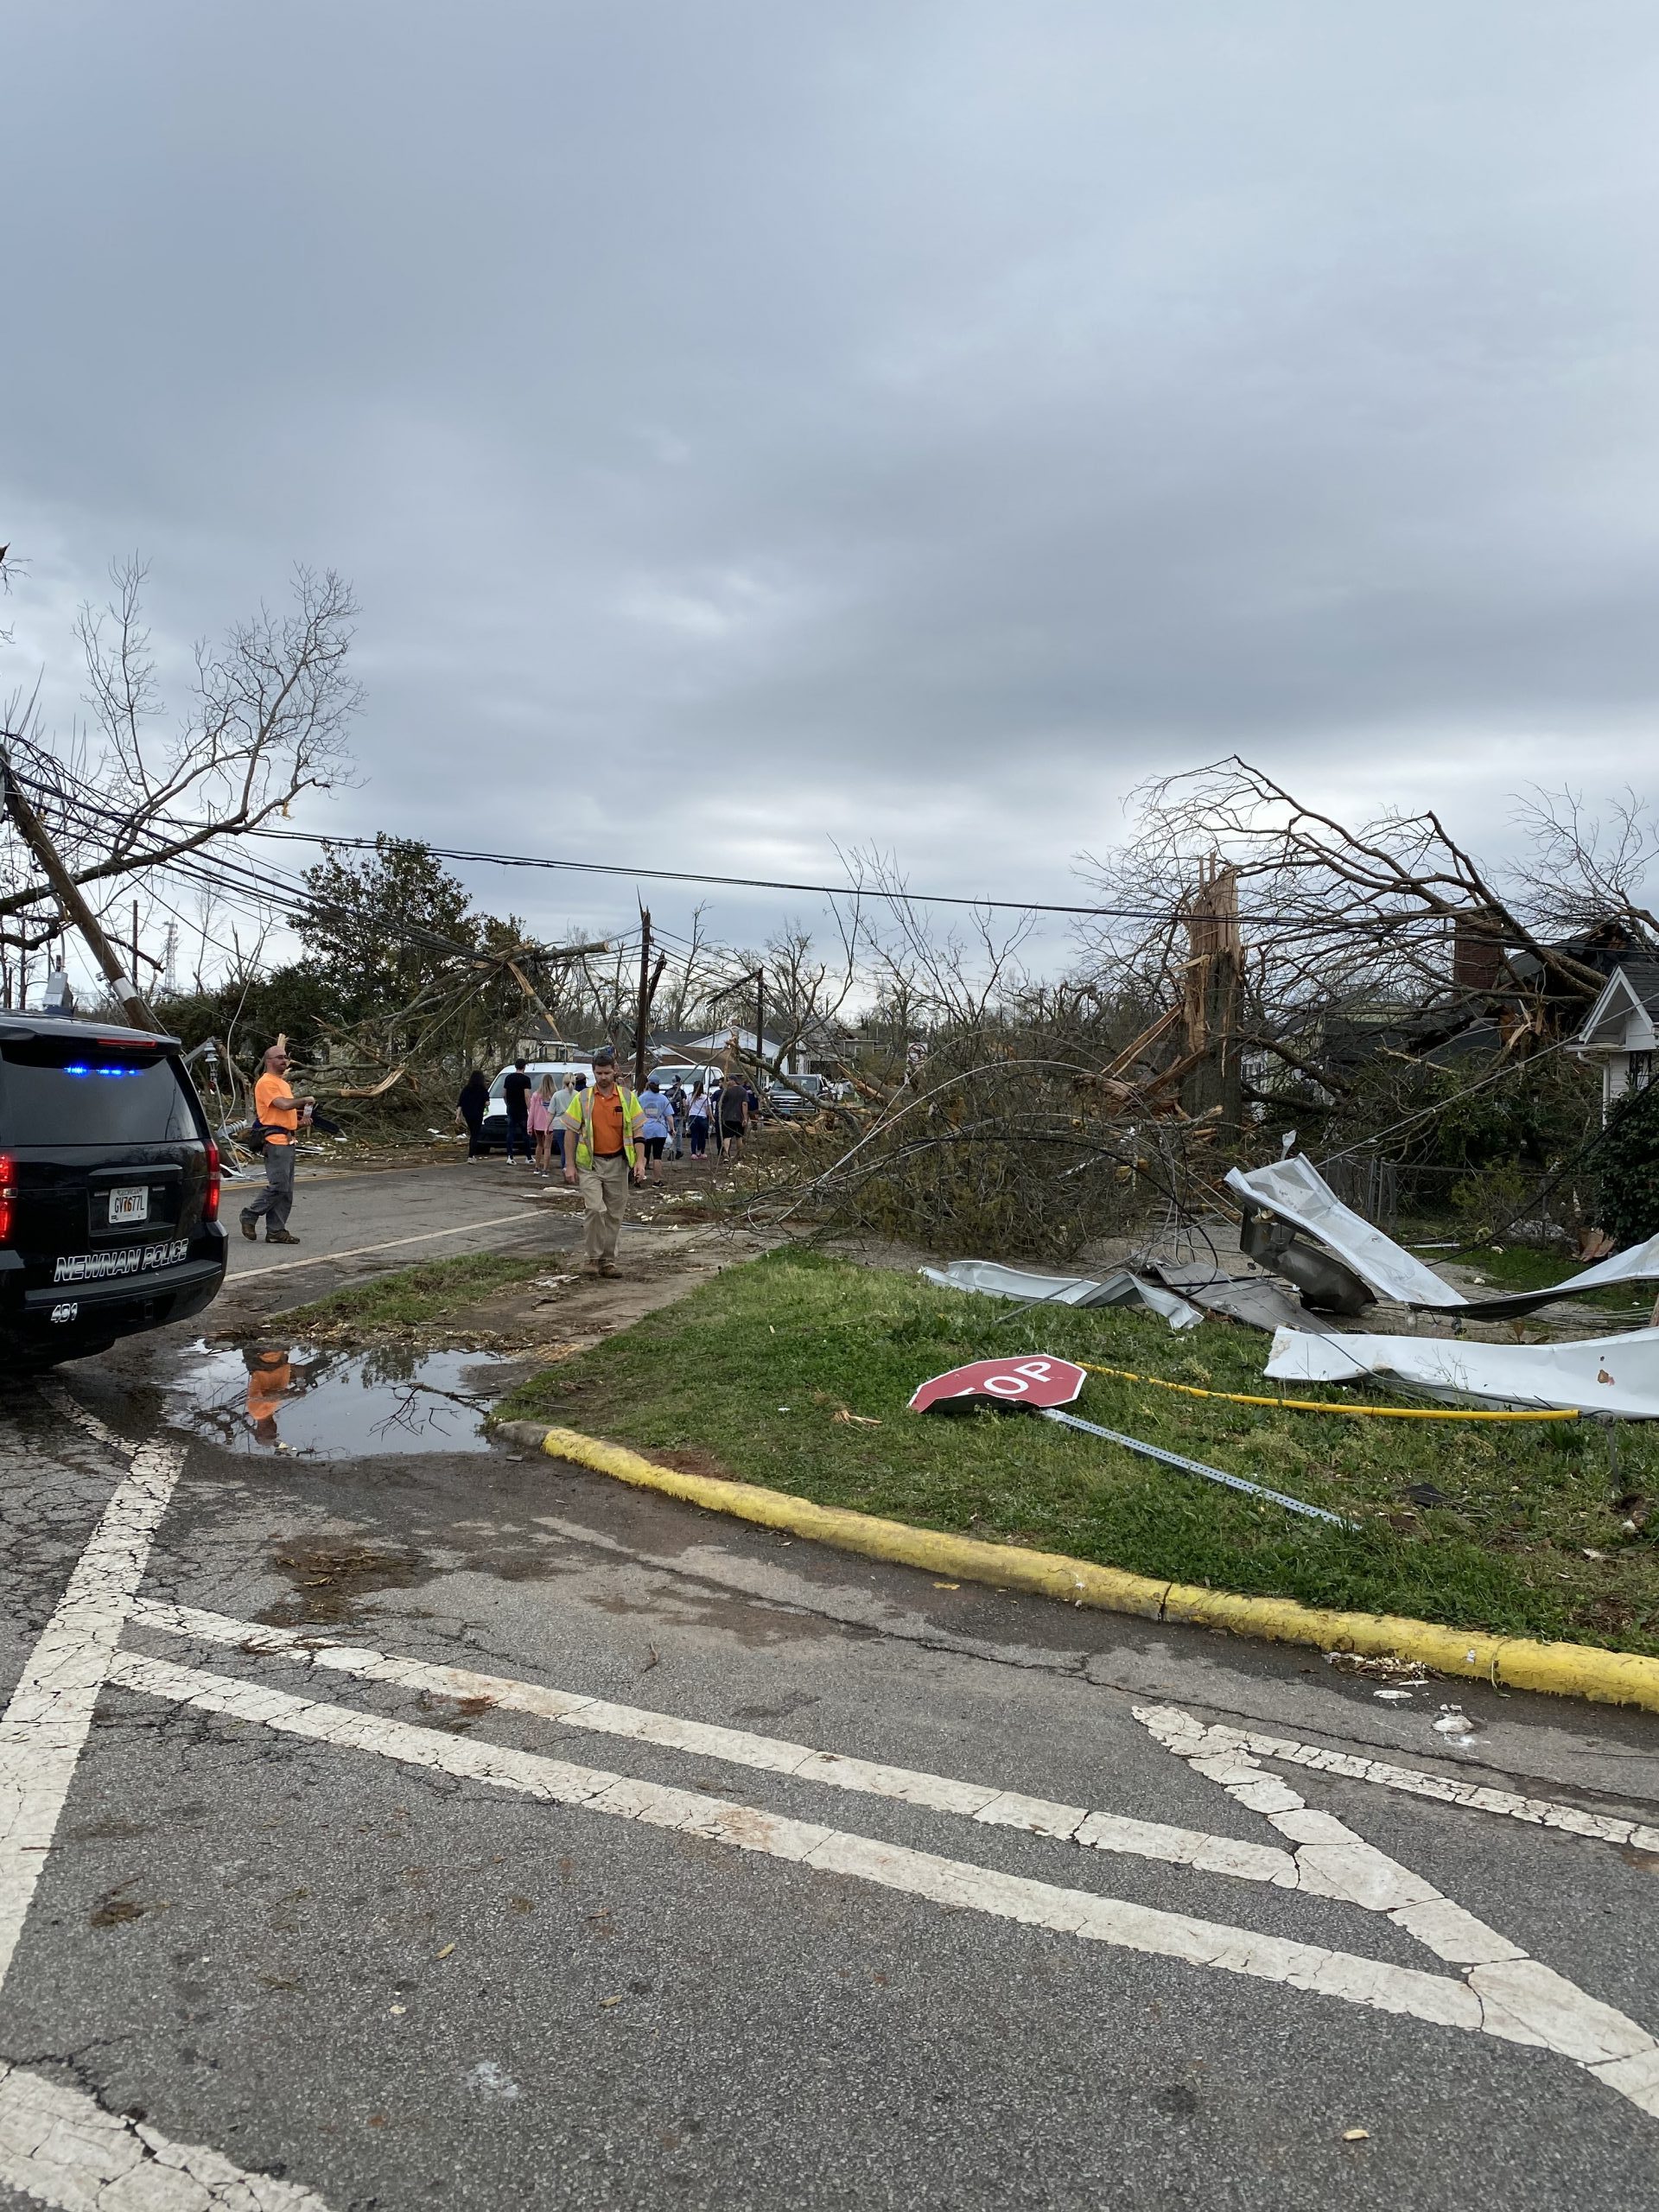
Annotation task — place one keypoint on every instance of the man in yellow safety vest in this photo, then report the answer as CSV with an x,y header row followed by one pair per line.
x,y
602,1123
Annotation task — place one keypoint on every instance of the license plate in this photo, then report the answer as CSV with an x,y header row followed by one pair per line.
x,y
129,1205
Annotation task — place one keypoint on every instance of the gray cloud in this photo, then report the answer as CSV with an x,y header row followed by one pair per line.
x,y
899,424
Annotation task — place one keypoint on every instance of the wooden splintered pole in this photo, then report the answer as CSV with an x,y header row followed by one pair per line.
x,y
1211,987
33,832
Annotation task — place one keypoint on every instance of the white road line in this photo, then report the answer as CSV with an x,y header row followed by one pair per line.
x,y
1539,2005
1523,2007
1502,1993
983,1801
1536,1812
72,1410
358,1251
46,1721
60,2146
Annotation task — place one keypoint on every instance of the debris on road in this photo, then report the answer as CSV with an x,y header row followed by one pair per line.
x,y
1380,1665
1454,1722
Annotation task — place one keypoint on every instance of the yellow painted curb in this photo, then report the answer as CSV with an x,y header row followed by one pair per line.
x,y
1511,1662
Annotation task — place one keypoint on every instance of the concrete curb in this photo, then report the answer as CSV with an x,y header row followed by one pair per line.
x,y
1509,1662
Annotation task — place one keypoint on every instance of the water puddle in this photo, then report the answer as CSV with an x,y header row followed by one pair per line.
x,y
329,1405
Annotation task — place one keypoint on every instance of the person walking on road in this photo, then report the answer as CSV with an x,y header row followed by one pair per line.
x,y
655,1130
515,1095
471,1107
734,1118
677,1100
541,1122
696,1122
277,1111
561,1098
603,1127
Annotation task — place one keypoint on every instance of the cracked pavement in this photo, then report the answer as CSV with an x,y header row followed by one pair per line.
x,y
461,1829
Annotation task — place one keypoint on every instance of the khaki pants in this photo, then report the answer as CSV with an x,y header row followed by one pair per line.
x,y
604,1189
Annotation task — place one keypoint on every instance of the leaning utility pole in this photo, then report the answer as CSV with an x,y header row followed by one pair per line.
x,y
32,830
649,979
644,987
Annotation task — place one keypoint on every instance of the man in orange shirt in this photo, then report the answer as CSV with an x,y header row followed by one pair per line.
x,y
602,1125
277,1111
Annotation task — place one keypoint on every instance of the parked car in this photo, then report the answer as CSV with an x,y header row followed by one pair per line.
x,y
689,1072
797,1098
108,1189
494,1126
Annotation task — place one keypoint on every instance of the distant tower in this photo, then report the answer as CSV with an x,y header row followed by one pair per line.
x,y
169,961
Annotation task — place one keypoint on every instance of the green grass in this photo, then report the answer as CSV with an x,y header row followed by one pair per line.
x,y
750,1375
436,1291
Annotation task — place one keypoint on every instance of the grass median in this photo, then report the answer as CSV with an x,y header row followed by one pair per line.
x,y
794,1371
434,1292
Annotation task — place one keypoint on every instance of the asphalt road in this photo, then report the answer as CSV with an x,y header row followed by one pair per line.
x,y
290,1916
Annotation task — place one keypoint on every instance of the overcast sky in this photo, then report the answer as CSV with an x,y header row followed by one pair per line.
x,y
749,426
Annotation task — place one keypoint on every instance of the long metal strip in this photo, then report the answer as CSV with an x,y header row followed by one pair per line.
x,y
1198,1467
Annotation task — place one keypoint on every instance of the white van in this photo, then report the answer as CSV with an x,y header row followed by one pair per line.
x,y
563,1072
689,1072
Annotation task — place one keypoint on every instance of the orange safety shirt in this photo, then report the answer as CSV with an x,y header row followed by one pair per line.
x,y
274,1107
606,1117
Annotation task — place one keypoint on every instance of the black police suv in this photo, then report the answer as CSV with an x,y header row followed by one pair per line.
x,y
108,1189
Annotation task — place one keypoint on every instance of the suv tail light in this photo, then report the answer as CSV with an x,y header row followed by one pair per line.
x,y
209,1200
8,1194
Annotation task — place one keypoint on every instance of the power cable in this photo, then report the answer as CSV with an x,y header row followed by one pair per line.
x,y
1372,925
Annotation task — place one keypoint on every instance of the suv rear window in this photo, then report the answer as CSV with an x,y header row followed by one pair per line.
x,y
74,1091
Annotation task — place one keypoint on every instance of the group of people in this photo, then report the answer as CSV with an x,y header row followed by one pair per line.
x,y
536,1114
605,1138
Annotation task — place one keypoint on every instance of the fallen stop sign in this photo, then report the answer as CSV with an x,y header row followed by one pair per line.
x,y
1025,1378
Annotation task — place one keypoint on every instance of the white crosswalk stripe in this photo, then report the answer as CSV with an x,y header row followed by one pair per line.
x,y
1498,1992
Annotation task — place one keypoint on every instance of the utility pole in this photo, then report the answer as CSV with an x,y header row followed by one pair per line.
x,y
760,1024
32,830
643,1003
650,976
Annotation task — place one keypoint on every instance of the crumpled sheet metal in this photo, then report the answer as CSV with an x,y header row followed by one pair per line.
x,y
991,1278
1616,1376
1294,1191
1254,1300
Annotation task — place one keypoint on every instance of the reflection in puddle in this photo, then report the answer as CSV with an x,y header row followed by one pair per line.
x,y
335,1404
